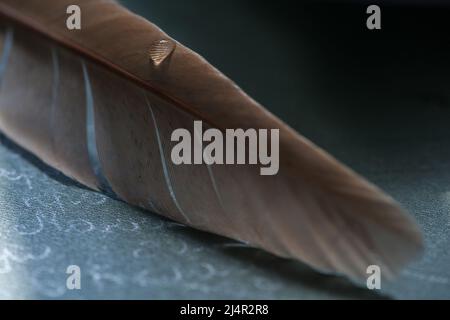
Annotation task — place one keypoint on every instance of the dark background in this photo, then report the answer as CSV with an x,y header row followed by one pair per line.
x,y
317,66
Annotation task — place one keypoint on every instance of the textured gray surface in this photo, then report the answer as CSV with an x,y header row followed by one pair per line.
x,y
48,223
378,102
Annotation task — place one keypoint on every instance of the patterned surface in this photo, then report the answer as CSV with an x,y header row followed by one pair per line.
x,y
48,223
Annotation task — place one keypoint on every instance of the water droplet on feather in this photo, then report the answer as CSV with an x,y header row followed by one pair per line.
x,y
160,50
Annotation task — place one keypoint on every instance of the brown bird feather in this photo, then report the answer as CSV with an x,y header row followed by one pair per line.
x,y
100,104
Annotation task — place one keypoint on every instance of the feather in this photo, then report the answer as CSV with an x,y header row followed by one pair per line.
x,y
100,104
